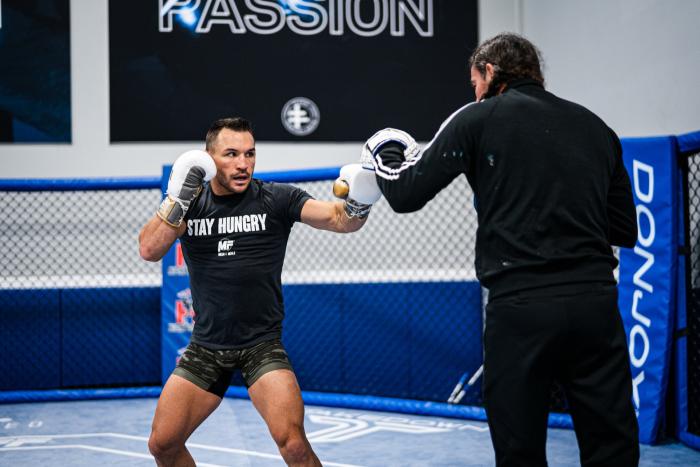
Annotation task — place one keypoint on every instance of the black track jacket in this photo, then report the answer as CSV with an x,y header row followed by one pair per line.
x,y
551,191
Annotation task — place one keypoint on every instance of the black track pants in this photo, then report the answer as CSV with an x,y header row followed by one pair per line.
x,y
573,334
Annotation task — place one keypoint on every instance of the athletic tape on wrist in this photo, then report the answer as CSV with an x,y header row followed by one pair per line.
x,y
355,209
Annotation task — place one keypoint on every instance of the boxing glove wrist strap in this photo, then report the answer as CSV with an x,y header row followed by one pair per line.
x,y
355,209
171,211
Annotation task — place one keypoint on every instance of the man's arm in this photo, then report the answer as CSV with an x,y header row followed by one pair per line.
x,y
330,215
156,238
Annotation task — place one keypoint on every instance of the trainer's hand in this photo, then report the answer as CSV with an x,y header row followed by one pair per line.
x,y
189,172
358,187
373,145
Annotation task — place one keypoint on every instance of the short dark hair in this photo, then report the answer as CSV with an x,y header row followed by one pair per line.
x,y
512,56
232,123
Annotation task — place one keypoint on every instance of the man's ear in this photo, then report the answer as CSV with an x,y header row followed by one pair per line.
x,y
490,69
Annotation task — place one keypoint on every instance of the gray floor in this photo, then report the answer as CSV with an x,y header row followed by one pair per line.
x,y
114,432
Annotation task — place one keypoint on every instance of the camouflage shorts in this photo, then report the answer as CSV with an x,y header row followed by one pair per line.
x,y
211,370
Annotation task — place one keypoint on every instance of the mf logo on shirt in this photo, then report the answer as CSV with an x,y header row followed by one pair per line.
x,y
226,248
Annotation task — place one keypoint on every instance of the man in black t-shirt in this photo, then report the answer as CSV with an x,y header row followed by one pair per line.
x,y
234,232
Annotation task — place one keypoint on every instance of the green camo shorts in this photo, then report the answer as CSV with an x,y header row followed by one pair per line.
x,y
211,370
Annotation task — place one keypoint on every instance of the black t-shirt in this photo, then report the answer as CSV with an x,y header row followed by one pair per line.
x,y
234,248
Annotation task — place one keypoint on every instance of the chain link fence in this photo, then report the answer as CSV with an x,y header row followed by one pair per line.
x,y
434,244
65,239
69,239
692,217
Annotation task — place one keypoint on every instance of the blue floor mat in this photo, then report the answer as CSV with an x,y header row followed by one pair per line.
x,y
115,432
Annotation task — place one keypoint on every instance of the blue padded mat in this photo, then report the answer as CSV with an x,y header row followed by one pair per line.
x,y
115,432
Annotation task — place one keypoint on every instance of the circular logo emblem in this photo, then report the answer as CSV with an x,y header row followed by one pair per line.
x,y
300,116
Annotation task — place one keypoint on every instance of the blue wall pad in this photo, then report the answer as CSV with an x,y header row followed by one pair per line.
x,y
71,184
689,142
110,336
379,339
313,335
446,329
648,276
57,395
145,329
31,339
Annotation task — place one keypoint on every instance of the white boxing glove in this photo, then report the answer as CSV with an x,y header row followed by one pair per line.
x,y
358,186
189,172
380,138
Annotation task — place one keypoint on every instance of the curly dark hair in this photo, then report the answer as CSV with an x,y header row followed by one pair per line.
x,y
232,123
512,56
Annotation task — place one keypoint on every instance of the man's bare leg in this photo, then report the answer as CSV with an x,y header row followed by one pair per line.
x,y
182,407
277,397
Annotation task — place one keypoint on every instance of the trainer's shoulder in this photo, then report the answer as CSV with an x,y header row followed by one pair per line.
x,y
475,110
468,115
576,108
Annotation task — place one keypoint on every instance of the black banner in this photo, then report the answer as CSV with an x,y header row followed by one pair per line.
x,y
35,71
308,70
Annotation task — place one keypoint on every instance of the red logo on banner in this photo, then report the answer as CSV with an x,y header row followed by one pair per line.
x,y
179,268
179,257
184,313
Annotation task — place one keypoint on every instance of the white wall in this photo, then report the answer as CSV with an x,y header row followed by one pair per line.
x,y
634,62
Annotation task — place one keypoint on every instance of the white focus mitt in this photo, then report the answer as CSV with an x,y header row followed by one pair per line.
x,y
382,137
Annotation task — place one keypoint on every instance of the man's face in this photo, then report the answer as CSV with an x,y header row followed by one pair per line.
x,y
234,156
481,83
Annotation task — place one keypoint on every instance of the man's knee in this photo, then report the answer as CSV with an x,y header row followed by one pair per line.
x,y
296,450
162,446
292,443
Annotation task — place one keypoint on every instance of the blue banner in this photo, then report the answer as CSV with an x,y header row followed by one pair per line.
x,y
177,314
177,319
648,275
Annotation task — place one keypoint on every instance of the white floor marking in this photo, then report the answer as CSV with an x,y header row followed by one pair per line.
x,y
12,443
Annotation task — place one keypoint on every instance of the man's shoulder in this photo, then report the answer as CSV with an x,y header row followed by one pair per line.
x,y
269,186
275,190
582,111
469,114
475,109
